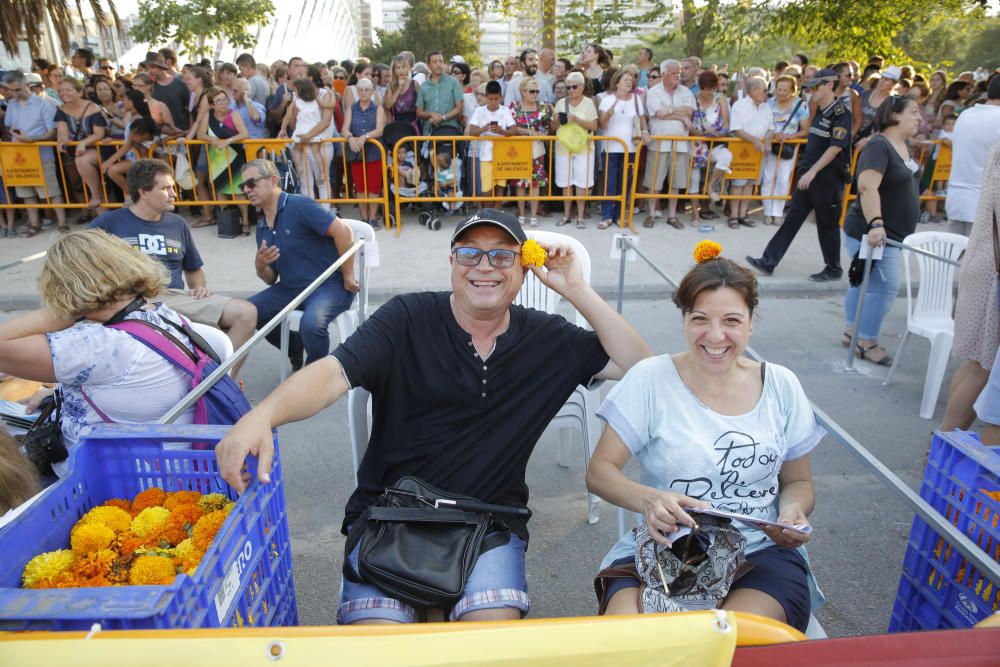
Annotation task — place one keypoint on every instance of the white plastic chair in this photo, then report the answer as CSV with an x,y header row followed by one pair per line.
x,y
347,321
579,411
929,313
219,341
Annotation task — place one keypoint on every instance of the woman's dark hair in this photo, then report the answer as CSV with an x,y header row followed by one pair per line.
x,y
489,70
954,88
203,75
891,107
708,79
358,69
465,70
312,73
567,65
603,57
138,101
306,89
715,274
144,125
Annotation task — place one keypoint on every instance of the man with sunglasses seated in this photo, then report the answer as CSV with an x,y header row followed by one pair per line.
x,y
149,225
463,384
297,240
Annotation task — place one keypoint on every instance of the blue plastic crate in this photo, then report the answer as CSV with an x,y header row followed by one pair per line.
x,y
939,588
245,577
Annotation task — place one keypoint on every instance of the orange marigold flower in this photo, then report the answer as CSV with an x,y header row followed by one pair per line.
x,y
95,564
45,567
152,571
71,580
178,498
706,250
120,503
90,537
207,528
130,544
173,534
149,520
532,254
151,497
185,515
114,518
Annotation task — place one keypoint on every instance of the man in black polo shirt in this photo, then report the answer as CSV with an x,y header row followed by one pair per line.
x,y
463,383
822,169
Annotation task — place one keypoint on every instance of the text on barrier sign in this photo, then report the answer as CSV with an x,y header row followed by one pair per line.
x,y
22,165
746,160
511,159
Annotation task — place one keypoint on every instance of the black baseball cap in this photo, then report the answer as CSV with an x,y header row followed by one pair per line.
x,y
495,217
825,75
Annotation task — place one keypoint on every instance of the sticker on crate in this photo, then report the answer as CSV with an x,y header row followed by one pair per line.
x,y
146,541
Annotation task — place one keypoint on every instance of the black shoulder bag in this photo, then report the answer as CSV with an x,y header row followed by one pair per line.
x,y
419,544
783,150
43,443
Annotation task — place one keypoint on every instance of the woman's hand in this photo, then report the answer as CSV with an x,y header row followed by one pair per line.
x,y
791,515
81,150
664,514
34,402
876,237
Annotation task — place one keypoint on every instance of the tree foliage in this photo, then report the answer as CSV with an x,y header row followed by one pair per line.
x,y
24,19
586,21
192,23
428,25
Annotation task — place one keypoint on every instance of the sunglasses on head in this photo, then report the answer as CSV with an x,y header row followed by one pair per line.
x,y
499,258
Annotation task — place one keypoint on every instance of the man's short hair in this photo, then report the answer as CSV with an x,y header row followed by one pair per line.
x,y
87,55
780,66
431,54
265,167
142,175
246,59
524,54
803,58
755,82
493,88
13,76
648,51
41,63
993,88
169,55
694,59
668,63
229,67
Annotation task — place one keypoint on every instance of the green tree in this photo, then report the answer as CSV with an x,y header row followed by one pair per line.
x,y
585,21
982,50
24,19
428,25
192,23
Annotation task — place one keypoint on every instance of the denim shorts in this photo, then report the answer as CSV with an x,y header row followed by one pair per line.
x,y
780,572
497,582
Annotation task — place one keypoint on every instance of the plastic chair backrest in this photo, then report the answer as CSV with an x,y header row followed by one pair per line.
x,y
363,230
534,294
217,339
935,296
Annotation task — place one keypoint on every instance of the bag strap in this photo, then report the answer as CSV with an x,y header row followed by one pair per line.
x,y
90,402
762,365
161,341
996,245
791,115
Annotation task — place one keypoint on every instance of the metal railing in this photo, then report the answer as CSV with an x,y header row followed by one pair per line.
x,y
192,396
975,556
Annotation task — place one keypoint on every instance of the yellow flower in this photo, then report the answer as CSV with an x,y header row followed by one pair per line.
x,y
152,571
213,502
90,537
532,254
151,497
149,520
114,518
187,556
207,528
706,250
43,568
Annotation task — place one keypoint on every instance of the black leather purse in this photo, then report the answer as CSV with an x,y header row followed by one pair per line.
x,y
419,544
43,443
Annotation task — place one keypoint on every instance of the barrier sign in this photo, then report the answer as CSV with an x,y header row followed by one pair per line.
x,y
22,165
511,160
746,160
942,165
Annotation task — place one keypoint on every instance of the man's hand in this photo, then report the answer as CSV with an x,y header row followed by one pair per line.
x,y
200,293
436,118
250,436
266,255
564,272
351,284
806,180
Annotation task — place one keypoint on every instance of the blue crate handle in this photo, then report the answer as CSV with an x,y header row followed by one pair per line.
x,y
159,432
972,448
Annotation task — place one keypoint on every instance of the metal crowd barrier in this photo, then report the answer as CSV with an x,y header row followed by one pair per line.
x,y
978,558
509,153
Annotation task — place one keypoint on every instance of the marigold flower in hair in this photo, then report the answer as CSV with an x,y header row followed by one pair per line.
x,y
532,254
706,250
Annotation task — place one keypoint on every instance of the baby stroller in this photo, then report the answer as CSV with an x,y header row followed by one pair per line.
x,y
447,181
391,135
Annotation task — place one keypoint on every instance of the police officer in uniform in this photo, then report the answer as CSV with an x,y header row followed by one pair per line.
x,y
823,170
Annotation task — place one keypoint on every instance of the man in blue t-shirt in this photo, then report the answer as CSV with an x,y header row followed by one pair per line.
x,y
150,226
297,241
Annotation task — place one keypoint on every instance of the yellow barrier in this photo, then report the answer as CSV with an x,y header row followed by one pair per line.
x,y
743,160
513,159
690,638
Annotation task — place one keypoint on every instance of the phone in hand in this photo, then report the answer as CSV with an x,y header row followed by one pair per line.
x,y
563,118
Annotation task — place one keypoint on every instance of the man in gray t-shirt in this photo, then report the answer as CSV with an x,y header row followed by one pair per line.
x,y
259,90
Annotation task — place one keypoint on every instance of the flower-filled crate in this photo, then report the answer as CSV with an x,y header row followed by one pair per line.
x,y
939,588
143,534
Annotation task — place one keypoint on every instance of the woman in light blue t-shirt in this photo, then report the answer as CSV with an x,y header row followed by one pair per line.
x,y
712,428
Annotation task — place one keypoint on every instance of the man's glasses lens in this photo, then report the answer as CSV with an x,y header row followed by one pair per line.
x,y
498,258
572,87
533,92
251,183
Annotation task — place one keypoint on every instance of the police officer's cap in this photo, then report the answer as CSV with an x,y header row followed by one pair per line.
x,y
825,75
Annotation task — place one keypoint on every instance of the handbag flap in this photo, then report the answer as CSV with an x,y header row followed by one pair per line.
x,y
422,515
